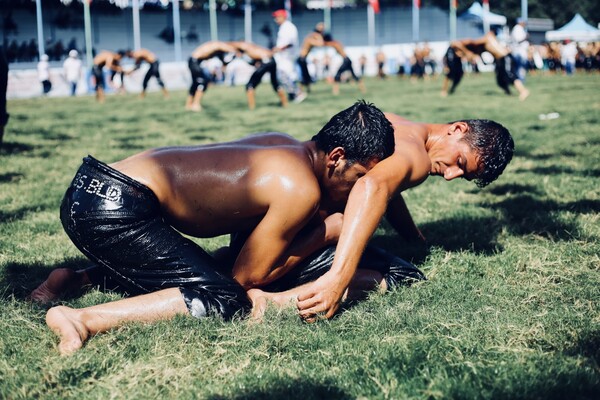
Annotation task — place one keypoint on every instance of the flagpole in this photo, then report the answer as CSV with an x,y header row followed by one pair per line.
x,y
135,10
87,26
176,30
327,15
452,20
212,10
248,21
415,20
524,12
40,27
371,24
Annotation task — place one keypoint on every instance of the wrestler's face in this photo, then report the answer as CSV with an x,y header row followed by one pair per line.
x,y
341,177
454,157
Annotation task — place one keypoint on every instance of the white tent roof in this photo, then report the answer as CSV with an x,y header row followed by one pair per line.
x,y
576,29
476,12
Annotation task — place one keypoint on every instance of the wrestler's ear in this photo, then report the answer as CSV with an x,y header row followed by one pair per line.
x,y
459,127
335,156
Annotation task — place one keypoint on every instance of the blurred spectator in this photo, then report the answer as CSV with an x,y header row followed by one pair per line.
x,y
519,47
380,57
553,57
568,54
72,70
362,62
43,69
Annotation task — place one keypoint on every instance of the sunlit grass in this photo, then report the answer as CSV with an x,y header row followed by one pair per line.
x,y
511,308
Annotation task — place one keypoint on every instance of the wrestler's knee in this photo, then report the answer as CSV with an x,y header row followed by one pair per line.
x,y
202,303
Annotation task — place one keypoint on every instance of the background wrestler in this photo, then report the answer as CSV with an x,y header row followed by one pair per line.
x,y
313,39
505,66
109,60
472,149
123,217
453,68
200,78
346,66
144,55
262,59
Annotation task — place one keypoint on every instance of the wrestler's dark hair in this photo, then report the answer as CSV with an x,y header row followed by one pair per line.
x,y
361,130
493,144
122,53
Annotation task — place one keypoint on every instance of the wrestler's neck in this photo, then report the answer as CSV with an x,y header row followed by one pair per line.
x,y
433,134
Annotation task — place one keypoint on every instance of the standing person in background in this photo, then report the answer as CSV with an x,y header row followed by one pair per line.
x,y
141,55
72,70
362,61
43,69
568,55
200,77
520,47
380,57
286,52
3,86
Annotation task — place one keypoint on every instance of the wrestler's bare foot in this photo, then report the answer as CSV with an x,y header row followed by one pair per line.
x,y
58,282
65,322
194,108
260,300
523,95
259,304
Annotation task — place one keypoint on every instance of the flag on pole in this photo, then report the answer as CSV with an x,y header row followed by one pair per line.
x,y
375,5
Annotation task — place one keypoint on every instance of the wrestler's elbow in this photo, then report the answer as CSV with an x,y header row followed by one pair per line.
x,y
252,279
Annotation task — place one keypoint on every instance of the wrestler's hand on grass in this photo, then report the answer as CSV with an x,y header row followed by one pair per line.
x,y
320,299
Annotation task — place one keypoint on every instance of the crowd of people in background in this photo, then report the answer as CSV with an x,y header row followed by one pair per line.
x,y
298,67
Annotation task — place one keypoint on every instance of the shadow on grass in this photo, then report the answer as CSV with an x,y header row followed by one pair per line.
x,y
10,177
477,234
587,345
526,215
19,279
291,389
513,188
21,213
555,170
202,138
11,148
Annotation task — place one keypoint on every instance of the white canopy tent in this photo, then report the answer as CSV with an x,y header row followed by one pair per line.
x,y
477,12
577,30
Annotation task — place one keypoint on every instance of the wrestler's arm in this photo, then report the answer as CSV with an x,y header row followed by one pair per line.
x,y
461,45
399,217
291,204
366,205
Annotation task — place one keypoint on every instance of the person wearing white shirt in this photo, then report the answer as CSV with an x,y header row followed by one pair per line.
x,y
286,52
519,46
43,69
568,55
72,70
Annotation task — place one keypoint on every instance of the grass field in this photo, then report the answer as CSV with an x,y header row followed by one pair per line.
x,y
511,308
